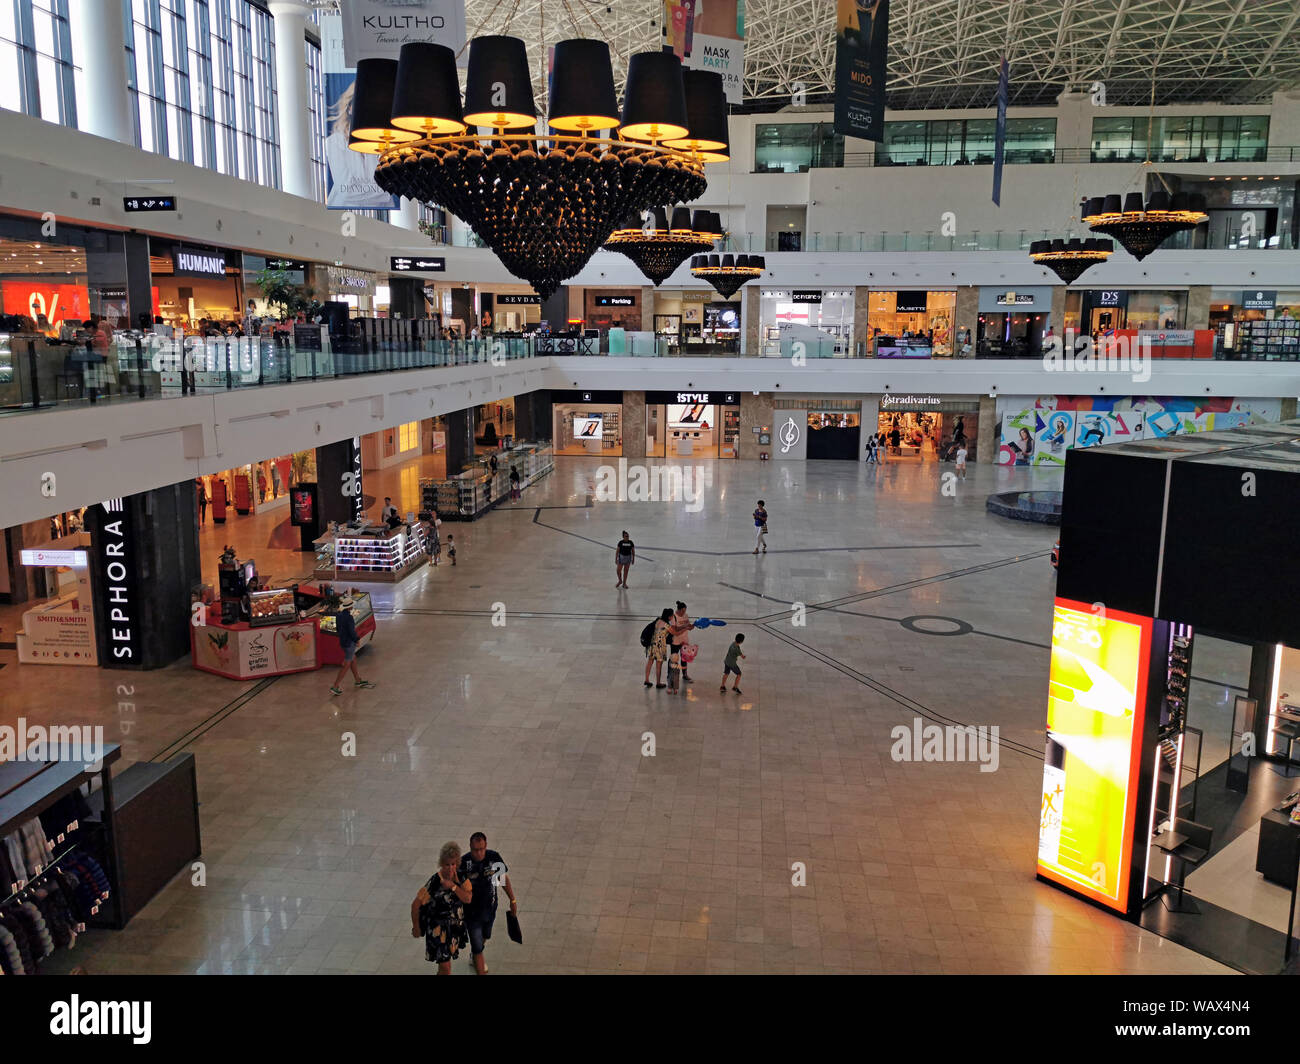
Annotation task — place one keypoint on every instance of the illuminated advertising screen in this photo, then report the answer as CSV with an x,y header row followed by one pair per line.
x,y
690,416
1096,695
588,428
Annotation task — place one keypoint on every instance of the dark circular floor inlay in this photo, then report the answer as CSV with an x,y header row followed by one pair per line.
x,y
910,623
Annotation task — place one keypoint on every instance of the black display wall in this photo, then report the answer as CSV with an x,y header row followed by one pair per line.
x,y
144,565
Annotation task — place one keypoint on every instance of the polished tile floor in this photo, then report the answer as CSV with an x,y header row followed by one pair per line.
x,y
533,731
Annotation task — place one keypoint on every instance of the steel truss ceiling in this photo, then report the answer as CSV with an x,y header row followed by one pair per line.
x,y
944,53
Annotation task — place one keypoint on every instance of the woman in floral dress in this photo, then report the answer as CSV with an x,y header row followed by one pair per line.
x,y
437,912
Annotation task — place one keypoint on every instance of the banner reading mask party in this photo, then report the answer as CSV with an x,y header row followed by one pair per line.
x,y
349,175
717,42
861,47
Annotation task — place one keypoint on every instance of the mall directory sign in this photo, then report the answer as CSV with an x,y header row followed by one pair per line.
x,y
1095,713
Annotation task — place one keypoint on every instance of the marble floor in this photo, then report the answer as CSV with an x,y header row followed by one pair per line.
x,y
916,603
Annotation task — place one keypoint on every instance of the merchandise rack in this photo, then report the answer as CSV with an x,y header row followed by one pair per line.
x,y
474,492
388,555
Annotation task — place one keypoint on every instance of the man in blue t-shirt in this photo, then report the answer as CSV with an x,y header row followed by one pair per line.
x,y
484,869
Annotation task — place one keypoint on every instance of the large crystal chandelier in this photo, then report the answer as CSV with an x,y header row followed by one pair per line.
x,y
543,201
661,246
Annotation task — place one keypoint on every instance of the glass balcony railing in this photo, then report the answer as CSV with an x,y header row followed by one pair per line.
x,y
864,242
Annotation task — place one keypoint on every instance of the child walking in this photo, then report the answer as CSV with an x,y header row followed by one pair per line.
x,y
730,665
451,548
961,459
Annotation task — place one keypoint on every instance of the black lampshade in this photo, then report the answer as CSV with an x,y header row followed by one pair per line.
x,y
654,102
703,223
1093,206
1057,245
681,222
706,112
1110,205
426,98
582,87
1133,203
660,223
1159,200
372,102
1037,247
367,147
498,88
728,262
713,261
759,261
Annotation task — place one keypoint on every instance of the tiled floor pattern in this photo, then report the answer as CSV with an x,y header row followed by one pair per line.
x,y
533,732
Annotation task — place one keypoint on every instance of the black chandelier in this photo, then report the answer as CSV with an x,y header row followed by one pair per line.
x,y
1068,259
544,202
1141,229
728,272
659,248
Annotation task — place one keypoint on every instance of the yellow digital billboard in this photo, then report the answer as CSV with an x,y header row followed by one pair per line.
x,y
1096,695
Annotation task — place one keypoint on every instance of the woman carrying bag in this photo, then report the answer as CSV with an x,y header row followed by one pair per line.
x,y
438,911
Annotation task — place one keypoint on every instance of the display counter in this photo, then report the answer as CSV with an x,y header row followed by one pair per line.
x,y
242,651
476,490
902,347
370,553
277,642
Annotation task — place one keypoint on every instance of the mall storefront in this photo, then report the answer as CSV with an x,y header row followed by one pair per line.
x,y
821,316
911,323
928,427
692,424
587,423
1098,311
1013,323
817,427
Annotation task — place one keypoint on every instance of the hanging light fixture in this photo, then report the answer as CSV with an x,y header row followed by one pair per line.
x,y
1138,228
661,247
544,202
728,272
1068,259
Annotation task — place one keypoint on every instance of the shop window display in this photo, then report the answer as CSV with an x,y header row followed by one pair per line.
x,y
587,429
911,324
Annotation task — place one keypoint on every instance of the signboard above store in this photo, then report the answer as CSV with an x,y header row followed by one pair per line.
x,y
139,204
193,262
1259,300
73,559
705,398
426,263
518,301
616,301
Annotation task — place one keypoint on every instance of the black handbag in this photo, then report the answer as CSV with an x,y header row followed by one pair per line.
x,y
512,928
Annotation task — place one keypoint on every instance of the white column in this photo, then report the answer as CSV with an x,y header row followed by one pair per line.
x,y
291,88
99,38
408,217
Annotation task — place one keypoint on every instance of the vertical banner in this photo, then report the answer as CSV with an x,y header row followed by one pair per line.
x,y
1000,134
114,576
861,50
377,29
350,175
718,44
679,27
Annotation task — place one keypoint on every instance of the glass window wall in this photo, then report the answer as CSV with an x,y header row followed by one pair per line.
x,y
1181,138
965,141
793,148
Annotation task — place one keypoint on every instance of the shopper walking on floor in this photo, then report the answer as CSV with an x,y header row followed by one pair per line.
x,y
731,666
348,639
656,651
451,548
202,493
514,482
438,911
760,526
961,459
624,559
483,869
